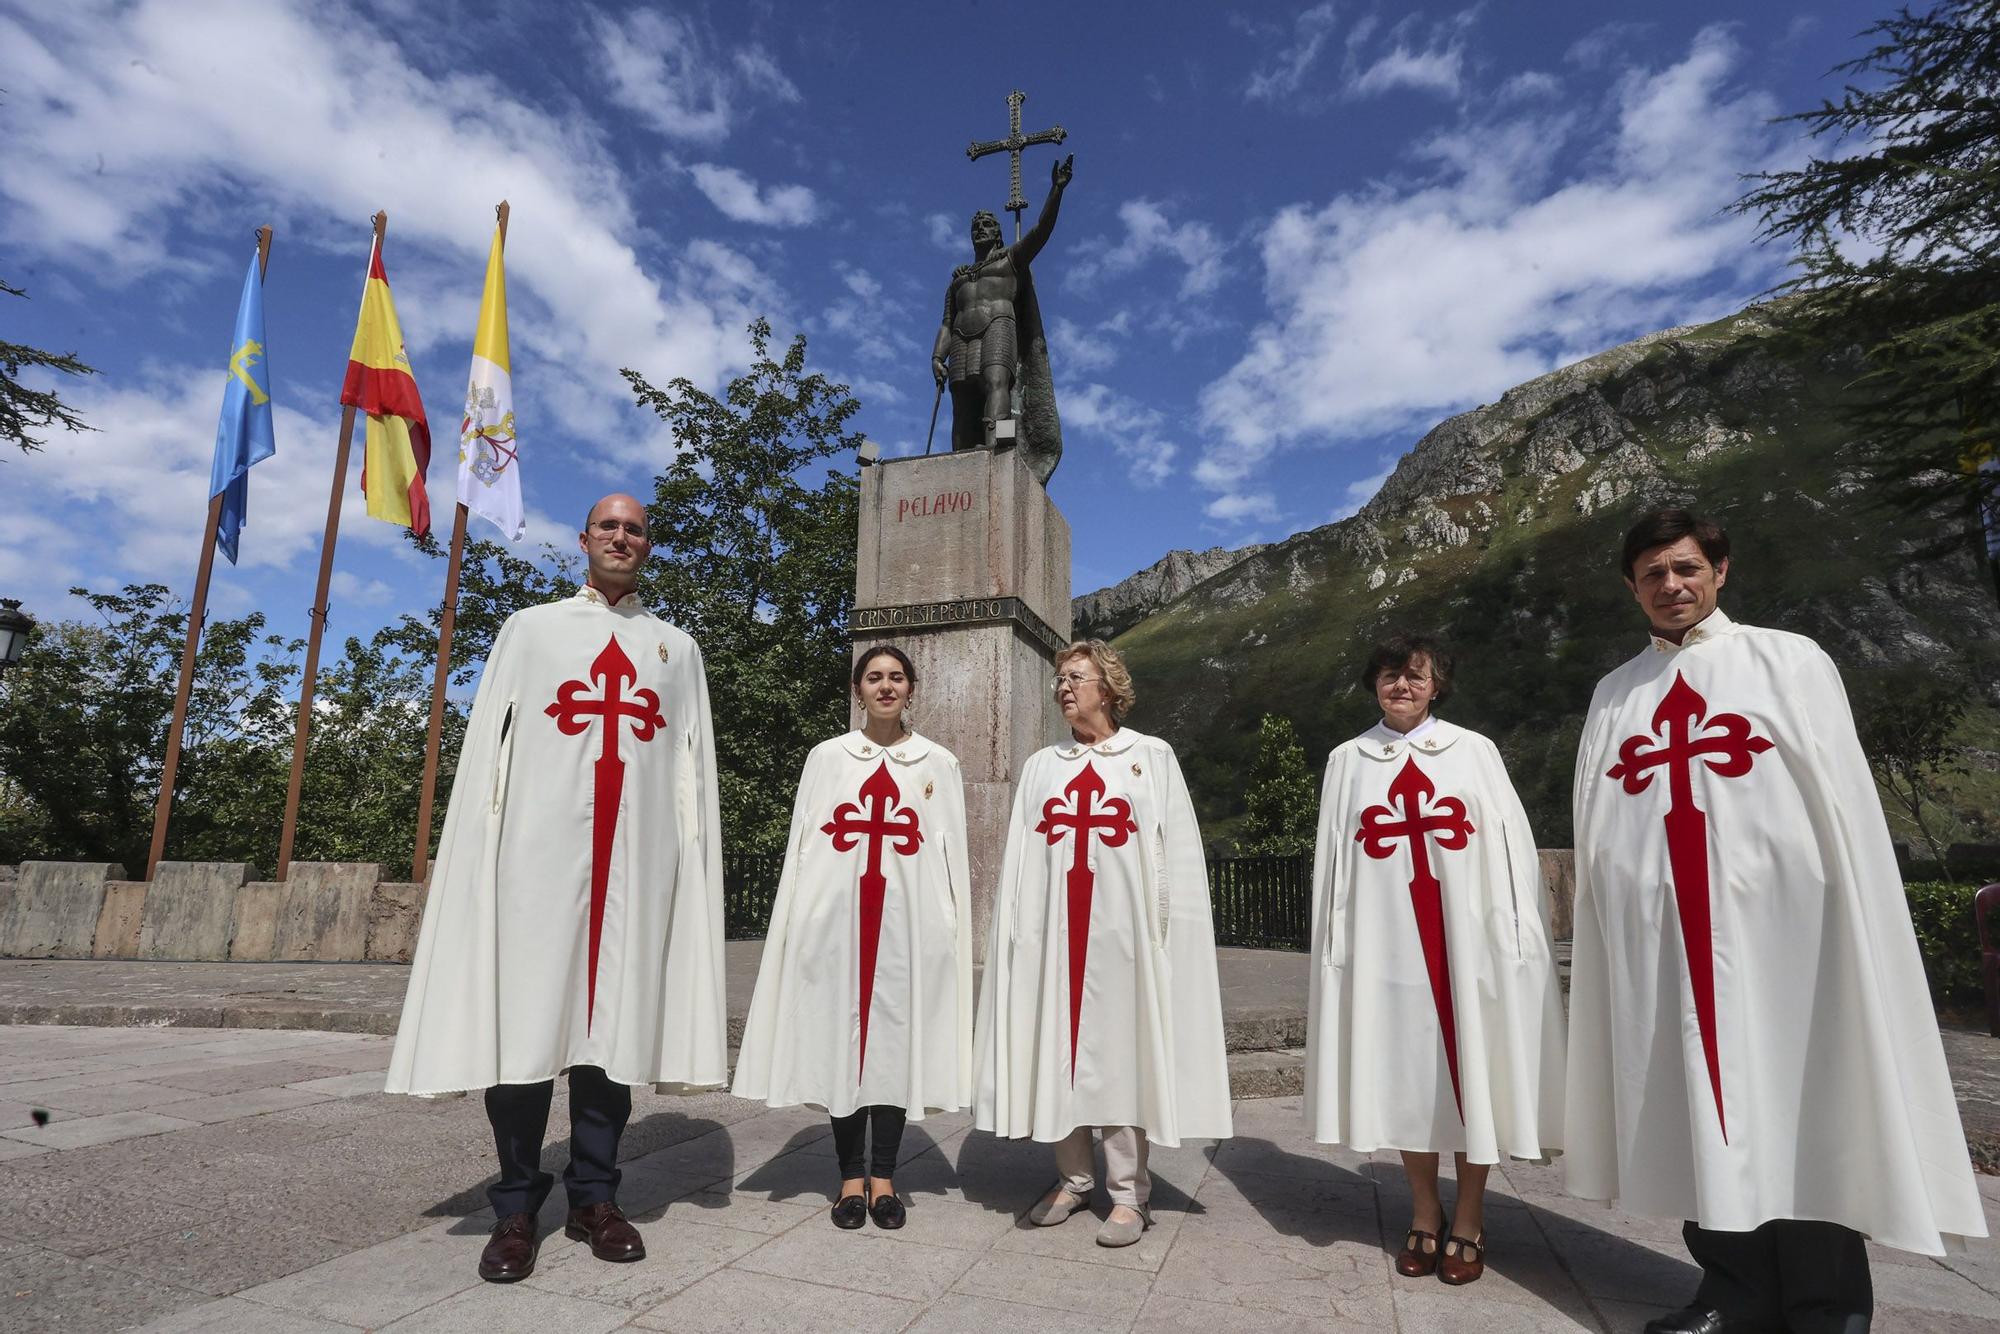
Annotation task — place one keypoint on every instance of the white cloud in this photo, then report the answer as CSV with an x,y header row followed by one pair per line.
x,y
1244,508
1150,233
1285,71
1074,348
671,74
1529,84
1434,71
1393,304
946,234
1136,432
1357,494
881,330
351,589
739,198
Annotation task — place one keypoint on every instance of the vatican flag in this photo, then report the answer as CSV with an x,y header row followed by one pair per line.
x,y
489,475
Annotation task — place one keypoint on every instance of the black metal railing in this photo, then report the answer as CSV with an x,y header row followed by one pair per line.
x,y
1262,902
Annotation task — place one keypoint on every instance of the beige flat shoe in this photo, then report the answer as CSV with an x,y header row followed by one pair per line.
x,y
1056,1206
1122,1228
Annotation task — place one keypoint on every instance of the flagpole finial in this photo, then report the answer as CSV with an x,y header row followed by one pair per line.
x,y
500,212
381,221
263,249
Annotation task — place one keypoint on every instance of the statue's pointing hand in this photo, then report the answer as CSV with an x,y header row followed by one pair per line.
x,y
1060,173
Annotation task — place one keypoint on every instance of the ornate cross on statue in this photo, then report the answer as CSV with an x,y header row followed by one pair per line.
x,y
573,710
1012,146
883,824
1380,830
1725,745
1113,821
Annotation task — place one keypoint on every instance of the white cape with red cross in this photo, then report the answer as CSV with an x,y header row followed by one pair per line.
x,y
864,995
1469,1058
1114,1016
575,912
1786,1062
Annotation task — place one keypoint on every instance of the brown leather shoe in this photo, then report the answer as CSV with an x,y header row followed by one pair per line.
x,y
610,1236
1467,1265
1414,1261
509,1256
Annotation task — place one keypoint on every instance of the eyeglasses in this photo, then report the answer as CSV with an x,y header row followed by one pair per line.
x,y
610,528
1389,675
1072,680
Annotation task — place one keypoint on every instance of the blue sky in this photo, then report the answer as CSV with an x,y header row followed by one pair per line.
x,y
1298,237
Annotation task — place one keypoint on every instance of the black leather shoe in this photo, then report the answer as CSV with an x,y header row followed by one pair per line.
x,y
610,1236
509,1256
1696,1319
849,1212
888,1212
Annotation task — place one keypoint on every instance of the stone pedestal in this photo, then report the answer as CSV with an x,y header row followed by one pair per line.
x,y
964,564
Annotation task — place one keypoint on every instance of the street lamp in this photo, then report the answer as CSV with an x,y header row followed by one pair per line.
x,y
15,626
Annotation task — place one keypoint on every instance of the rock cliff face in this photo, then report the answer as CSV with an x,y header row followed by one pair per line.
x,y
1111,611
1499,531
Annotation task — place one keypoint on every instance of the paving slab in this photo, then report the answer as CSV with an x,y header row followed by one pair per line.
x,y
751,1303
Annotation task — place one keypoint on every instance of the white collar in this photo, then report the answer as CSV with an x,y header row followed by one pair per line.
x,y
628,604
1117,743
1707,628
1432,735
909,750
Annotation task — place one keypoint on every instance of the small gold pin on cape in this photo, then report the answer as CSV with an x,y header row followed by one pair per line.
x,y
1135,771
663,651
927,790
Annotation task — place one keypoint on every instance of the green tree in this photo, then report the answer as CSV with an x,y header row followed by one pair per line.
x,y
754,557
1909,724
24,410
1283,800
1898,247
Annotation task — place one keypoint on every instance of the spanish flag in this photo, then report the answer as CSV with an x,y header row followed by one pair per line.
x,y
379,383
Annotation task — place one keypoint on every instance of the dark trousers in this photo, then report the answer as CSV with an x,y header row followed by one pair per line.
x,y
850,1130
598,1111
1790,1274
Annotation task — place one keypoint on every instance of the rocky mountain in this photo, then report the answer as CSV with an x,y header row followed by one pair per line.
x,y
1500,530
1111,611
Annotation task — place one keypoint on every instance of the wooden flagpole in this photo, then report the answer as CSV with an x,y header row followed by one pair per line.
x,y
420,862
319,609
197,611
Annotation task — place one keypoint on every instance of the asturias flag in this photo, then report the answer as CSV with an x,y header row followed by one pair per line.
x,y
379,383
243,436
489,473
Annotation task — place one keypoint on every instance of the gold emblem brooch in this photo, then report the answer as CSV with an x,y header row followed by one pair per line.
x,y
663,651
927,790
1135,771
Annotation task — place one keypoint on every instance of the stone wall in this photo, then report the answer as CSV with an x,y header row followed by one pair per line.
x,y
326,912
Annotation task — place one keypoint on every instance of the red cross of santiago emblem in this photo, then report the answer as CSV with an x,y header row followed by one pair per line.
x,y
1114,824
884,825
573,710
1445,822
1722,742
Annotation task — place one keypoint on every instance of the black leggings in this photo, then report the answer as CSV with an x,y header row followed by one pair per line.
x,y
850,1130
1807,1277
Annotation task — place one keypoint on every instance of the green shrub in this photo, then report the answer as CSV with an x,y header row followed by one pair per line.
x,y
1948,938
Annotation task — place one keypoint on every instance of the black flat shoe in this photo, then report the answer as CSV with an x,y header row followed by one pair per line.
x,y
849,1211
888,1212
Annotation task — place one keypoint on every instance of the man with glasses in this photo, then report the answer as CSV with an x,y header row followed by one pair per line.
x,y
574,921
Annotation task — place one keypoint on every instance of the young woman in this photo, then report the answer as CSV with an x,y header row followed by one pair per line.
x,y
1434,1024
863,1003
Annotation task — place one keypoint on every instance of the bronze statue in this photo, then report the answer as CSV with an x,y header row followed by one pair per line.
x,y
990,346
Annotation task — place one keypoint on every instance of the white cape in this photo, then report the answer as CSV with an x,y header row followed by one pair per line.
x,y
804,1039
1827,1097
1148,1048
1378,1068
501,986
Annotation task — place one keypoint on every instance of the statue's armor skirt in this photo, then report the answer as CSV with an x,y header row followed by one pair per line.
x,y
993,347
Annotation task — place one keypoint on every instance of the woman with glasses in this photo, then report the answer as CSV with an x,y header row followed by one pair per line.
x,y
1434,1023
863,1003
1100,1009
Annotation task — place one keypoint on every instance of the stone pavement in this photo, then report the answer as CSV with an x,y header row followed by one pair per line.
x,y
252,1180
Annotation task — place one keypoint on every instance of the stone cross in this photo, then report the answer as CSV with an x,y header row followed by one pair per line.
x,y
1012,146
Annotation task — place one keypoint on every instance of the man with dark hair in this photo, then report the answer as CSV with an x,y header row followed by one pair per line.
x,y
1752,1044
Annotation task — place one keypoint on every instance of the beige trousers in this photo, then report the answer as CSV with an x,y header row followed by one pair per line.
x,y
1125,1177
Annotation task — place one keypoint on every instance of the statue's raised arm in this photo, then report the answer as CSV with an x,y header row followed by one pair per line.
x,y
1031,245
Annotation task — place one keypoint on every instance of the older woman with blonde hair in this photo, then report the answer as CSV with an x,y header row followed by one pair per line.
x,y
1100,1009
